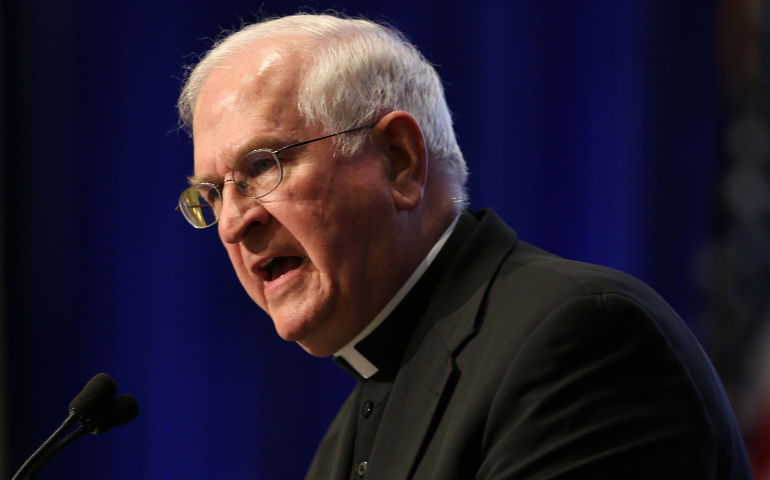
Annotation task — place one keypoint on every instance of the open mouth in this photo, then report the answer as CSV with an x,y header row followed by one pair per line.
x,y
276,267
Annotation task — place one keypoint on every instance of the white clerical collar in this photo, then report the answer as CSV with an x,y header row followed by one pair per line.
x,y
354,358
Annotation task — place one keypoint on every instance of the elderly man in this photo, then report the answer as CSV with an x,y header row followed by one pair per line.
x,y
324,149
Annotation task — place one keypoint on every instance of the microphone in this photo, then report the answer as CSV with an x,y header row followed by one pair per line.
x,y
97,392
118,411
96,410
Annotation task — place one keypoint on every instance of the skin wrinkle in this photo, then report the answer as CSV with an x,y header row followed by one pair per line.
x,y
342,214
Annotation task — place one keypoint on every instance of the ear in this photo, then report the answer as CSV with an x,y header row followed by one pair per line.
x,y
399,138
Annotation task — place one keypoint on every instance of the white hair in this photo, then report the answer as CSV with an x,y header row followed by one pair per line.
x,y
359,70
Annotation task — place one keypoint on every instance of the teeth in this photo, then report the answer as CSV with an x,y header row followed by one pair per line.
x,y
266,263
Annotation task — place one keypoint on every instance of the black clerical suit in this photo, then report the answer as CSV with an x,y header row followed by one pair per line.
x,y
506,362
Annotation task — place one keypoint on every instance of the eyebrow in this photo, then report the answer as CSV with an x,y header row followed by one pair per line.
x,y
196,179
273,143
268,142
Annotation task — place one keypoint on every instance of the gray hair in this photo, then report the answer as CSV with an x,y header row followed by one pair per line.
x,y
358,71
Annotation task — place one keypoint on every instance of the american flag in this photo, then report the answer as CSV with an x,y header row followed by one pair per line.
x,y
738,257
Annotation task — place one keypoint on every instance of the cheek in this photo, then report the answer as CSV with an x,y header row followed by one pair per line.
x,y
336,177
346,197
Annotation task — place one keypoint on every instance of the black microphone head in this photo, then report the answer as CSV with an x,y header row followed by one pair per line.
x,y
121,409
97,392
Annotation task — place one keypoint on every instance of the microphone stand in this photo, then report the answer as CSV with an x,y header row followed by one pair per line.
x,y
96,408
74,435
43,449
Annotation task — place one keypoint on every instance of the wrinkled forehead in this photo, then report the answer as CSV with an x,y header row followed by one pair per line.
x,y
263,72
249,98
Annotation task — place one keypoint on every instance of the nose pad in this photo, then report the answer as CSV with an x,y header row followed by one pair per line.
x,y
239,215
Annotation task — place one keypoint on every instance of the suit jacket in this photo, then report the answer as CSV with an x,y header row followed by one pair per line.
x,y
506,362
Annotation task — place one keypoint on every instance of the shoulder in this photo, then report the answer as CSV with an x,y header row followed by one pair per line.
x,y
540,282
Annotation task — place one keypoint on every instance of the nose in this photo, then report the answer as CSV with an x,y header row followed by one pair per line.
x,y
240,214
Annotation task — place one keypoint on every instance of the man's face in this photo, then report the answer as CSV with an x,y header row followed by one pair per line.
x,y
320,254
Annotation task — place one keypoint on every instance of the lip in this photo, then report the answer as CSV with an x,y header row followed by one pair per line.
x,y
258,271
263,267
278,287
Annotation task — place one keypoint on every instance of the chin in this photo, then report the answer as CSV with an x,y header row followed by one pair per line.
x,y
309,341
316,351
301,334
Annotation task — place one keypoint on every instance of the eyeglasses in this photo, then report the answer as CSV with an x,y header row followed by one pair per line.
x,y
256,174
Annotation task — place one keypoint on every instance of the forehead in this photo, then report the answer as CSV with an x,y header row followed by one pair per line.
x,y
249,97
264,78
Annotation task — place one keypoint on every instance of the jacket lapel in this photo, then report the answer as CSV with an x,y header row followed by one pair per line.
x,y
425,379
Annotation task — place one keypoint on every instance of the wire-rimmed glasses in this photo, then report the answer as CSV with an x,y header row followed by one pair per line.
x,y
256,174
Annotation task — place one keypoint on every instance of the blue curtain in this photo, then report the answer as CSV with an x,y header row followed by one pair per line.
x,y
591,127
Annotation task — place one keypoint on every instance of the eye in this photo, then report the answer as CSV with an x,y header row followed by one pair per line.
x,y
264,165
211,195
204,194
258,173
256,164
200,204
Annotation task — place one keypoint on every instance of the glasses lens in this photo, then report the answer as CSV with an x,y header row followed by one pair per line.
x,y
200,205
258,173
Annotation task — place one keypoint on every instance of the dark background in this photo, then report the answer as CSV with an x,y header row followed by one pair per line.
x,y
595,128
